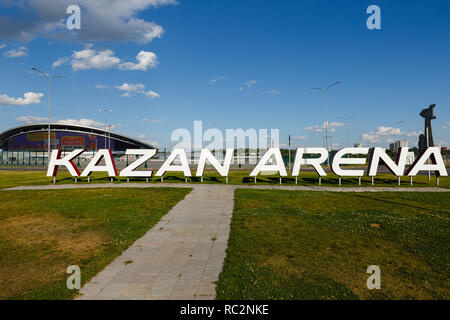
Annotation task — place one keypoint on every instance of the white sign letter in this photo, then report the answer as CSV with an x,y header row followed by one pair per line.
x,y
207,155
278,166
338,160
315,162
146,155
109,166
437,165
55,162
397,167
183,167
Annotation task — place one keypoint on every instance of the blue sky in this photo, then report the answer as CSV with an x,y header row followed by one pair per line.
x,y
232,64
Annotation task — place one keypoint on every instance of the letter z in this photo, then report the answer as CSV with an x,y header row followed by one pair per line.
x,y
146,155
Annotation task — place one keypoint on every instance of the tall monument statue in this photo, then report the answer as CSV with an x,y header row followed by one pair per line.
x,y
426,139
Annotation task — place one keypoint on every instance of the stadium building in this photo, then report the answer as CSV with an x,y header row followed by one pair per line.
x,y
67,137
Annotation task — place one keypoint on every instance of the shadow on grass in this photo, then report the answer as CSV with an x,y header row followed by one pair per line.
x,y
214,179
288,180
315,181
252,180
173,178
65,179
108,179
135,179
384,201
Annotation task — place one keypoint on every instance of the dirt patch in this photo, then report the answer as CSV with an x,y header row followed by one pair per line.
x,y
59,241
30,274
58,233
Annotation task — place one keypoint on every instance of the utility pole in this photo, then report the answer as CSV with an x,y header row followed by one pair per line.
x,y
49,81
347,125
106,125
289,153
109,136
325,93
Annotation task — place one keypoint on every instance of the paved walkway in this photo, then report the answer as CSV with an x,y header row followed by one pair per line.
x,y
182,256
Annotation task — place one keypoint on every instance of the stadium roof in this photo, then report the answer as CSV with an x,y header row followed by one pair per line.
x,y
8,134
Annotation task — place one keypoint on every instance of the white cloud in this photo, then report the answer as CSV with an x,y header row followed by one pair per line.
x,y
413,134
132,88
320,128
101,20
250,83
84,122
2,45
144,137
271,92
145,60
29,98
31,119
155,120
102,86
213,81
90,58
387,131
333,125
381,134
315,128
371,137
336,145
447,125
387,134
17,53
59,62
81,122
152,94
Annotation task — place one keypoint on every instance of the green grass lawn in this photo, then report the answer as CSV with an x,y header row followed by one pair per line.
x,y
22,178
318,245
43,232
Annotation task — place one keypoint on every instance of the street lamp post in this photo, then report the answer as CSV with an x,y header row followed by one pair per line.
x,y
289,153
106,125
347,125
325,92
109,136
49,80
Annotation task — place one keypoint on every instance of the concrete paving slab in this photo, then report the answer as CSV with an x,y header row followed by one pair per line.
x,y
171,263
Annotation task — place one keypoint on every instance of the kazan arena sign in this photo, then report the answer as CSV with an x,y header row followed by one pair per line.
x,y
430,160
